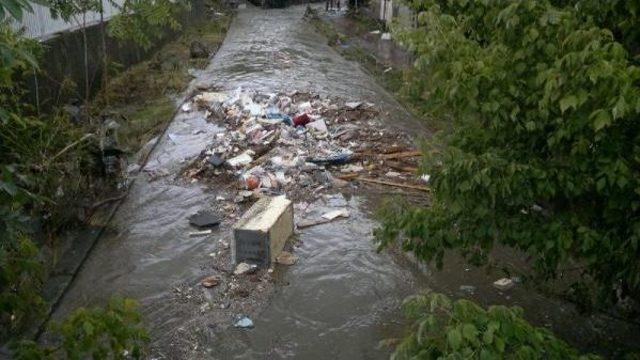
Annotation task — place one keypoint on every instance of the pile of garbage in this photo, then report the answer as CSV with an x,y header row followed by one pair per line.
x,y
299,144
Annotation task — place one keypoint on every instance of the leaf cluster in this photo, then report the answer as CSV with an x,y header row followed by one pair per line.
x,y
445,329
145,21
543,154
112,332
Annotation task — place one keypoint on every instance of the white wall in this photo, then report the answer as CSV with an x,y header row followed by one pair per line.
x,y
40,24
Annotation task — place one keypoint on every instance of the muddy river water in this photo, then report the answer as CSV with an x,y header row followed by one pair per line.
x,y
342,297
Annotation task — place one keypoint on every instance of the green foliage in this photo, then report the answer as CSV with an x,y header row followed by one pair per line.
x,y
145,21
34,182
113,332
622,17
16,8
543,154
445,329
72,9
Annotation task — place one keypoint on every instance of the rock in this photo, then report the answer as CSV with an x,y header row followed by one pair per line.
x,y
198,50
503,284
245,268
210,281
286,258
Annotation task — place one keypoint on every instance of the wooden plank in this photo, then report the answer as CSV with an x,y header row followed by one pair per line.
x,y
403,154
394,184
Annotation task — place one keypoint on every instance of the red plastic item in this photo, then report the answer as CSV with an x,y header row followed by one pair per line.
x,y
252,182
302,119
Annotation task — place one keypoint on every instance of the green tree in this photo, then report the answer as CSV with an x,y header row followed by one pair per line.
x,y
146,21
543,153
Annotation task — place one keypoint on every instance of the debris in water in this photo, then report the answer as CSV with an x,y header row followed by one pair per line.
x,y
204,219
244,323
200,233
261,233
301,120
504,284
469,289
286,258
241,160
216,160
336,213
245,268
353,105
210,281
333,159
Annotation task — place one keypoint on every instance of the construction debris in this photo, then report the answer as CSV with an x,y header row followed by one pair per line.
x,y
260,235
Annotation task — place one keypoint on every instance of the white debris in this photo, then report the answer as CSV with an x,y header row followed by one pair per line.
x,y
211,97
245,268
352,168
385,36
336,213
353,105
200,233
240,160
319,126
504,284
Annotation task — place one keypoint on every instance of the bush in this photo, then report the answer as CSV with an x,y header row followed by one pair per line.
x,y
543,154
444,329
113,332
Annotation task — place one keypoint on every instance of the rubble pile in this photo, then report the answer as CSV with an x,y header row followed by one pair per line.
x,y
299,144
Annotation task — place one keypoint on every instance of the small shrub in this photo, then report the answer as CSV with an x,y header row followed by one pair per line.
x,y
445,329
113,332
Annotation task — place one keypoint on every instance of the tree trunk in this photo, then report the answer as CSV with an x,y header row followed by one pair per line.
x,y
105,59
86,58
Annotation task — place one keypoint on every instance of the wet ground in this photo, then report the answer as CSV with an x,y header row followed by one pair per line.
x,y
340,299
